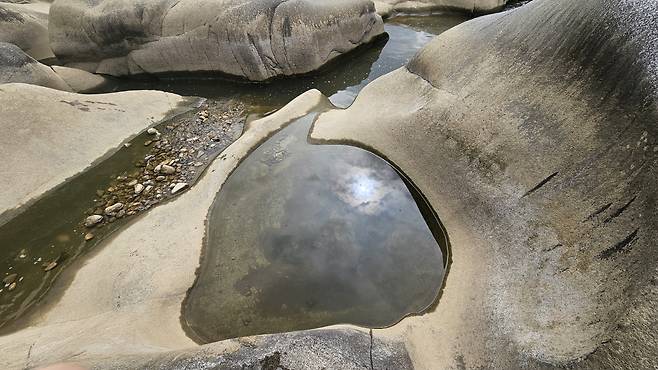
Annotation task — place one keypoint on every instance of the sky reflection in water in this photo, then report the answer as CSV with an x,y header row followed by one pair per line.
x,y
303,236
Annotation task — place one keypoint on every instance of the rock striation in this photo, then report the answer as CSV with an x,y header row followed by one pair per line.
x,y
252,39
389,7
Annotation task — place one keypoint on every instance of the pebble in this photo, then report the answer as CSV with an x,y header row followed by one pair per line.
x,y
167,169
113,208
89,236
10,278
50,266
178,187
23,253
12,286
139,188
153,131
148,142
132,183
93,220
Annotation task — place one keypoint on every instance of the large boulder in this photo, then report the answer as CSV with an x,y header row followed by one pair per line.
x,y
26,26
16,66
389,7
253,39
49,136
533,134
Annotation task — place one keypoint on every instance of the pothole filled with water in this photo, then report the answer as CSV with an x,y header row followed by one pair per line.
x,y
304,236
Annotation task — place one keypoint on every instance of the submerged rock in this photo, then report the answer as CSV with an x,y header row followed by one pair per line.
x,y
93,220
531,133
10,278
254,39
26,26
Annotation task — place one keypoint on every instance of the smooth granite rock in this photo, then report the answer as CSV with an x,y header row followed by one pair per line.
x,y
533,134
389,7
26,26
16,66
253,39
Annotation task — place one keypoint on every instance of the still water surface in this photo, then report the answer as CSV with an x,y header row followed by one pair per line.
x,y
303,236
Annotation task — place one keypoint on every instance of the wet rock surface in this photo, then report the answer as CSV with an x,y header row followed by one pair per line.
x,y
256,40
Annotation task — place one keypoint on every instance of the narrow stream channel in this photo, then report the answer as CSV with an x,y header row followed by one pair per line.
x,y
368,252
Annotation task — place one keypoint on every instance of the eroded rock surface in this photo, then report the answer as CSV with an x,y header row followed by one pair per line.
x,y
26,26
340,348
533,133
388,7
16,66
252,39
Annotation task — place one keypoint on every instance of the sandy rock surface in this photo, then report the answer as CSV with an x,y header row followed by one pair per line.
x,y
53,135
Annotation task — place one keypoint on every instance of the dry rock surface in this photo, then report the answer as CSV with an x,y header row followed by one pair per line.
x,y
81,81
26,26
252,39
389,7
16,66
